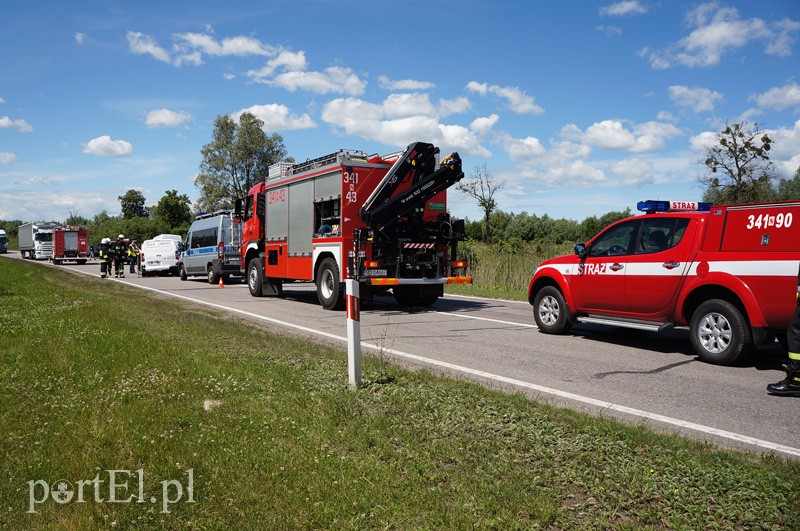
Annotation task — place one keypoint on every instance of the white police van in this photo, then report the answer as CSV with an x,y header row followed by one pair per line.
x,y
212,247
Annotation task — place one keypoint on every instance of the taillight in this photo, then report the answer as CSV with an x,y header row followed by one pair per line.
x,y
372,264
459,263
220,250
142,255
177,255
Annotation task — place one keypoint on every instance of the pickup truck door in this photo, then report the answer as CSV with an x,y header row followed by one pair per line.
x,y
657,267
599,281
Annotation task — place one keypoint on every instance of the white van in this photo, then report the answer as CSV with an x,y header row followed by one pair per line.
x,y
162,254
212,247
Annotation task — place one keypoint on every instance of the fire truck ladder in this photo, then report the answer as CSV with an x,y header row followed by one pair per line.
x,y
418,163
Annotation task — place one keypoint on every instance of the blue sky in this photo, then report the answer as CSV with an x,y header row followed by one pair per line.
x,y
580,107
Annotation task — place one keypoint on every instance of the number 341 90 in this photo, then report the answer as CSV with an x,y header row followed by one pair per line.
x,y
765,221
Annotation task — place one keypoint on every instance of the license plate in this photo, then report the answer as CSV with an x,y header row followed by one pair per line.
x,y
375,272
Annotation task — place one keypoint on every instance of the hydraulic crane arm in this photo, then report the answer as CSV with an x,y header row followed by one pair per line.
x,y
385,207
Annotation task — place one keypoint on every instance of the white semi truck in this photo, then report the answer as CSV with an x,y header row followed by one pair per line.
x,y
36,240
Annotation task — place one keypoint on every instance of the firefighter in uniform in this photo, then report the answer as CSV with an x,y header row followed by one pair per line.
x,y
790,386
105,257
120,252
133,256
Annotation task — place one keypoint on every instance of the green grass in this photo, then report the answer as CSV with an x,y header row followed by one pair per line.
x,y
95,376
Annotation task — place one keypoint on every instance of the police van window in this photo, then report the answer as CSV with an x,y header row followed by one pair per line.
x,y
660,234
615,241
204,238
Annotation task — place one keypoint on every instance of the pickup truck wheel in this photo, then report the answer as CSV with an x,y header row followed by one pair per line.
x,y
330,290
720,334
550,311
255,280
182,273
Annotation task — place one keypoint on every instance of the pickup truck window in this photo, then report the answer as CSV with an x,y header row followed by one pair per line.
x,y
660,234
615,241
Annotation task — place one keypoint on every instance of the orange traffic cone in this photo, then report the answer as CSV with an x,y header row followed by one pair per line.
x,y
221,284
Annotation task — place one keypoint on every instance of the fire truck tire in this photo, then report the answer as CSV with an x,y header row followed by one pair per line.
x,y
255,281
719,333
213,278
182,273
550,311
330,290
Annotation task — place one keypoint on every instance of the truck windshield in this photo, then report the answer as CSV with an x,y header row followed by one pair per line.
x,y
3,238
44,236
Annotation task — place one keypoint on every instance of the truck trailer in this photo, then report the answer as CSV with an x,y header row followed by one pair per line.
x,y
380,220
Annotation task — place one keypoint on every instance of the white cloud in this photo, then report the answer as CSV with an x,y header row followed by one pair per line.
x,y
522,149
633,172
292,61
142,44
19,124
698,99
103,146
576,174
718,30
454,106
404,84
80,38
625,8
166,118
334,79
779,98
701,141
2,101
204,43
395,123
518,101
784,153
613,135
278,118
609,31
484,124
7,157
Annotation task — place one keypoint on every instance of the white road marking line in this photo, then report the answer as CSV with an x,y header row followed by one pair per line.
x,y
700,428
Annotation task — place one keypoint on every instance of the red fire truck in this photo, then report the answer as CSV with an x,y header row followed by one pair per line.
x,y
381,220
70,245
729,273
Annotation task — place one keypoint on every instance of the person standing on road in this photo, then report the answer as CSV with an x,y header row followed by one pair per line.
x,y
133,255
120,251
105,257
790,386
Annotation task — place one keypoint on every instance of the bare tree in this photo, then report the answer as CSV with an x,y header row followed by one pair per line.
x,y
739,164
482,186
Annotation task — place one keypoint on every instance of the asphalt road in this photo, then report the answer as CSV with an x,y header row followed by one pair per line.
x,y
641,377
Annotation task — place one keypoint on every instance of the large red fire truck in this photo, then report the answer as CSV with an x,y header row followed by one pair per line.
x,y
729,273
381,220
70,245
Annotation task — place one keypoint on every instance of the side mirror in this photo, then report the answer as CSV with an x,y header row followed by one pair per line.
x,y
580,250
237,209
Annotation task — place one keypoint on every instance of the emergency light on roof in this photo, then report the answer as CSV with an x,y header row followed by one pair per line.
x,y
652,205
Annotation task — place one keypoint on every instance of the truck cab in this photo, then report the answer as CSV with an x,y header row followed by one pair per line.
x,y
3,242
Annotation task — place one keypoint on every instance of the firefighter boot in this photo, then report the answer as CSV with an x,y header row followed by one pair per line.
x,y
789,386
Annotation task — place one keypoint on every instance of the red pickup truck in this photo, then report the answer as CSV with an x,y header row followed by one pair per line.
x,y
729,273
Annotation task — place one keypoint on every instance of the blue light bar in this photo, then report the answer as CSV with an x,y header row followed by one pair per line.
x,y
660,205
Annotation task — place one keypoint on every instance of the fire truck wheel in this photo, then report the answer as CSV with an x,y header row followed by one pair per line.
x,y
720,334
330,289
182,273
254,279
550,311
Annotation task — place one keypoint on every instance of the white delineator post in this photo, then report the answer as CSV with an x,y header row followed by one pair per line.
x,y
353,332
